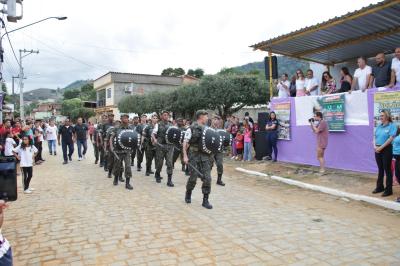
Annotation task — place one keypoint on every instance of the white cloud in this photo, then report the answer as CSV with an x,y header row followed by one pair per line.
x,y
147,36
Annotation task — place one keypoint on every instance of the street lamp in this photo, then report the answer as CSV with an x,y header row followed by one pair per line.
x,y
21,73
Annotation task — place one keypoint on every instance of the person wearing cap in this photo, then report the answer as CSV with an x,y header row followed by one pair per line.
x,y
140,151
106,146
111,156
178,152
122,156
164,151
216,123
99,141
134,122
199,161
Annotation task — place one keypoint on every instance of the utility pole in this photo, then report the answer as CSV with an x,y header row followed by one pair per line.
x,y
21,80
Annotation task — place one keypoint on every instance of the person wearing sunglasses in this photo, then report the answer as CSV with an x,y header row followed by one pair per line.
x,y
328,84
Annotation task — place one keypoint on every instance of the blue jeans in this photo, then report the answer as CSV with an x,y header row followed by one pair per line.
x,y
272,139
80,143
247,151
52,145
7,259
67,147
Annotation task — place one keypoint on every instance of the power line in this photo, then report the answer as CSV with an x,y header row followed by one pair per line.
x,y
12,48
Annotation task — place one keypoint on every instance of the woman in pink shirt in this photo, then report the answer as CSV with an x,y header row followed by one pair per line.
x,y
247,141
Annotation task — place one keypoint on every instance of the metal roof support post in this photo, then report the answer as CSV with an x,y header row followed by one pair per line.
x,y
270,74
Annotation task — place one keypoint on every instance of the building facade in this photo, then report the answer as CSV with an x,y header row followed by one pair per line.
x,y
112,87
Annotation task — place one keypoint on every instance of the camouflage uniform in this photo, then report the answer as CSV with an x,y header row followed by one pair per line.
x,y
150,150
178,152
95,145
106,151
163,151
100,145
140,150
200,160
122,163
219,161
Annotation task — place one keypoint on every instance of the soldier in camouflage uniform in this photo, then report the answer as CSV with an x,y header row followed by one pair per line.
x,y
163,150
219,156
150,149
197,159
122,157
106,146
178,152
140,150
95,142
111,156
100,143
134,122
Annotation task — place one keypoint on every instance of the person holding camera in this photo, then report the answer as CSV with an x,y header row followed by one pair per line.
x,y
321,129
5,248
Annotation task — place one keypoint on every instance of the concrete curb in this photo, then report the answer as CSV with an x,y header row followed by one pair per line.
x,y
379,202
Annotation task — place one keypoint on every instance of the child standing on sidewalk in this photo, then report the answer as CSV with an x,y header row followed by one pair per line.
x,y
26,153
247,141
239,145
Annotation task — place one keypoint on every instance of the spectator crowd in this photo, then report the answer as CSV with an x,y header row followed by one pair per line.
x,y
384,73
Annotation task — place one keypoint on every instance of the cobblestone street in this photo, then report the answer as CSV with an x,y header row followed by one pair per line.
x,y
77,217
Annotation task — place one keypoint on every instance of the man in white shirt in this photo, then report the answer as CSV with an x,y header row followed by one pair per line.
x,y
283,87
311,84
395,77
361,75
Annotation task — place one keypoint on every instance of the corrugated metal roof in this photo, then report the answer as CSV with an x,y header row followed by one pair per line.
x,y
372,29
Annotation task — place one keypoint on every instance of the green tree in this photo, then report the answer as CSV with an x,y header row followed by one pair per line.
x,y
229,71
230,93
134,104
83,112
71,94
29,108
88,93
173,72
198,72
70,105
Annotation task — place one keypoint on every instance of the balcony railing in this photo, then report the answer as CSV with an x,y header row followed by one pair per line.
x,y
101,103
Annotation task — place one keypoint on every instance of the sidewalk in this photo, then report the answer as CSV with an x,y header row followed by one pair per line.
x,y
348,181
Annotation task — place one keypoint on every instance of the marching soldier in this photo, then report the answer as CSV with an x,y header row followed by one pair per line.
x,y
95,142
178,152
100,143
106,147
219,156
150,149
140,149
122,156
163,150
199,161
111,156
134,122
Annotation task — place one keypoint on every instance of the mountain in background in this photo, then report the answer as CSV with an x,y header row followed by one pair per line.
x,y
77,84
285,65
42,94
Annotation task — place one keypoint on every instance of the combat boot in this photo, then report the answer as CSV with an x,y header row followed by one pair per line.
x,y
158,177
109,175
121,179
147,173
206,204
127,185
188,196
139,168
183,168
219,180
115,180
169,183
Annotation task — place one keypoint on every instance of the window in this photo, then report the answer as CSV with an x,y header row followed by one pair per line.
x,y
109,93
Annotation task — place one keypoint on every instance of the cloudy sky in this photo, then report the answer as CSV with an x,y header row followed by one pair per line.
x,y
148,36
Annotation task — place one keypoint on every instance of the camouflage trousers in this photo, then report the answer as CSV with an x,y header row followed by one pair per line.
x,y
219,161
122,163
101,153
177,153
150,153
139,156
202,162
110,161
164,152
96,152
